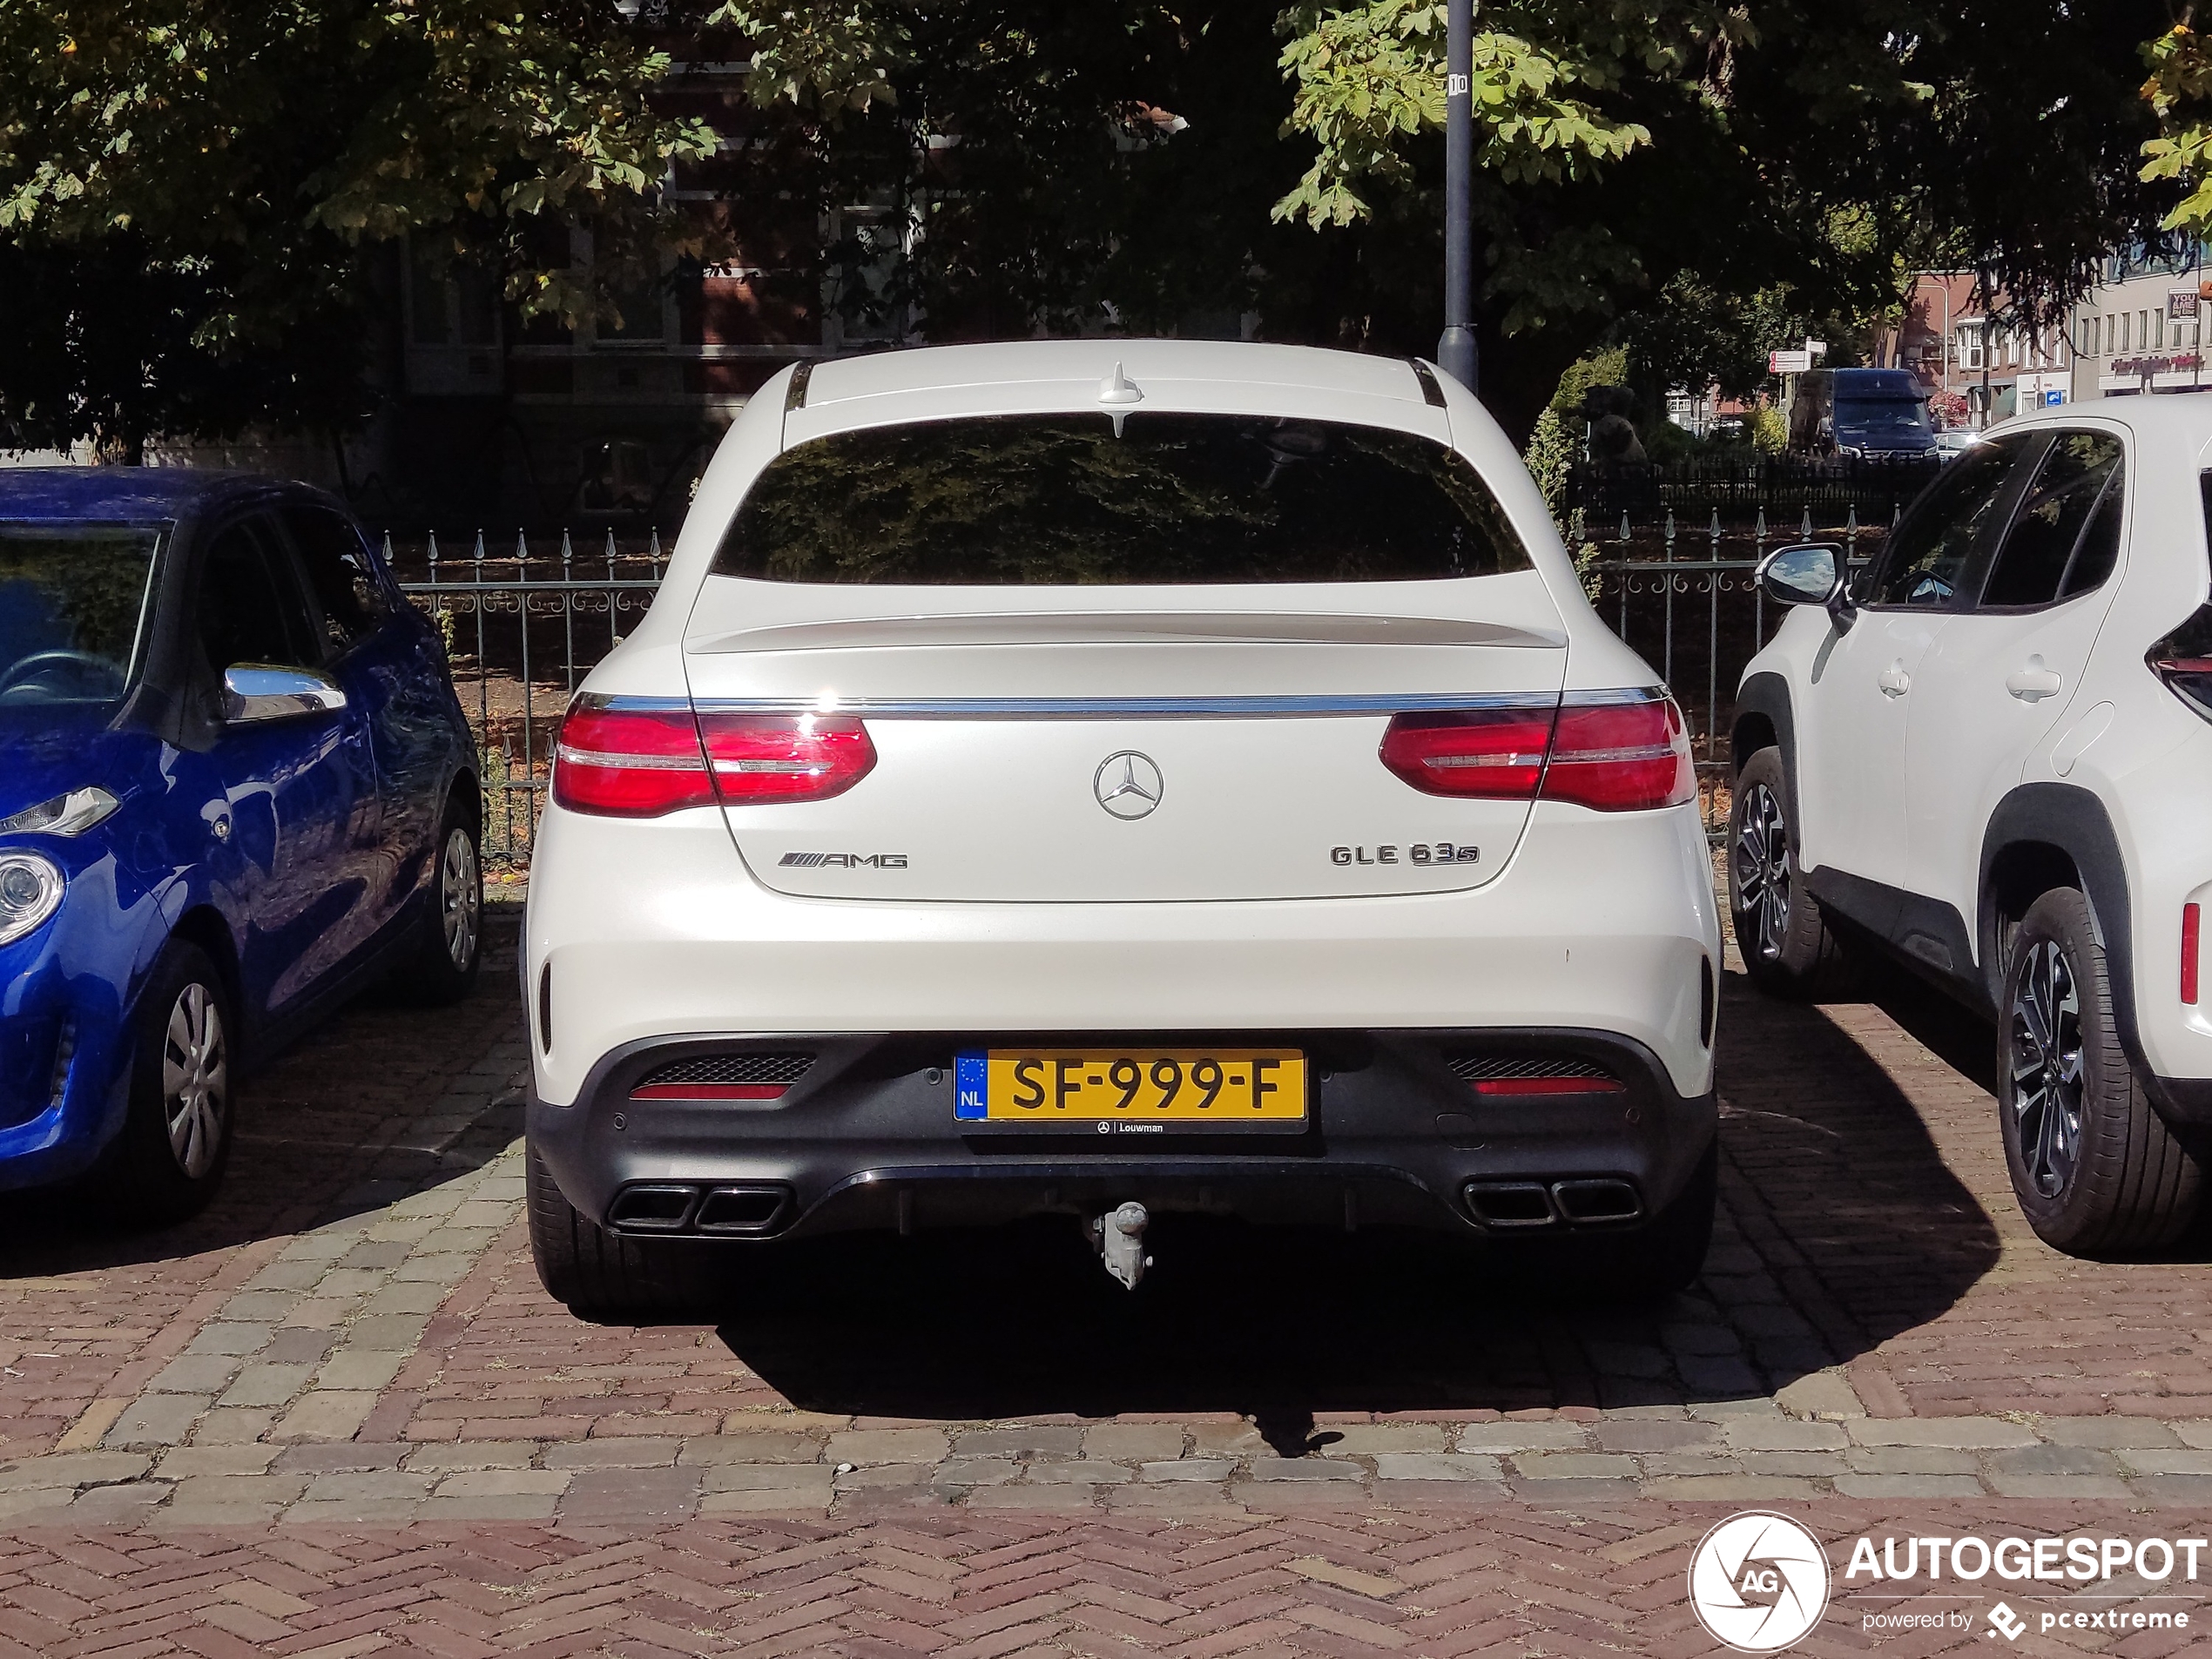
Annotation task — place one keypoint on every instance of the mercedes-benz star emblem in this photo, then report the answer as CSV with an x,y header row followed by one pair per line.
x,y
1128,784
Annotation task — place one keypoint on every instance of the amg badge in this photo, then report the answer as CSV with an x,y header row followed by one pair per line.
x,y
844,860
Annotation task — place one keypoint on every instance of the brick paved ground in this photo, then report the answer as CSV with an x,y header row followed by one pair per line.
x,y
337,1415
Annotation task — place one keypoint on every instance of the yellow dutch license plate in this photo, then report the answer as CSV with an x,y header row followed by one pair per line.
x,y
1132,1090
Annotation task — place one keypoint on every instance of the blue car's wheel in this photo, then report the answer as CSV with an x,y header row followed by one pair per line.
x,y
444,968
183,1072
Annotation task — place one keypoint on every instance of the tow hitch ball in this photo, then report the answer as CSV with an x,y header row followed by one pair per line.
x,y
1118,1236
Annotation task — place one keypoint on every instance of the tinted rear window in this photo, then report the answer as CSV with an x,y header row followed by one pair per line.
x,y
1066,500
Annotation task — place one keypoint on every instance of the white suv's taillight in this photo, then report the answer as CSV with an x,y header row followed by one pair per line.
x,y
622,761
1621,757
2183,660
1489,754
757,758
1616,751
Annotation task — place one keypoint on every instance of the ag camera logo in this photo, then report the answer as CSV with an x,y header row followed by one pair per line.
x,y
1758,1582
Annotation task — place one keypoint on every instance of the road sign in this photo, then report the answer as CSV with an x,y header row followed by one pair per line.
x,y
1789,363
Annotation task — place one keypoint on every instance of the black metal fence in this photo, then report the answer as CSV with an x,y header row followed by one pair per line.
x,y
524,625
1686,597
1739,489
522,628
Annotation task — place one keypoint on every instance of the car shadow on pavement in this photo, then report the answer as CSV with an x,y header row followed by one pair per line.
x,y
376,1102
1840,1226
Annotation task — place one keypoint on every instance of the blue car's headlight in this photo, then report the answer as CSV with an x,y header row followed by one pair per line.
x,y
30,891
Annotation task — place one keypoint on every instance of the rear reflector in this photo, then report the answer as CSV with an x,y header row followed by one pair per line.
x,y
1533,1074
748,1075
1550,1086
2192,922
1615,752
628,762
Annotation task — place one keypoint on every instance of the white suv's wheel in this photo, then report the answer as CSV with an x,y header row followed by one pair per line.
x,y
2095,1169
1787,947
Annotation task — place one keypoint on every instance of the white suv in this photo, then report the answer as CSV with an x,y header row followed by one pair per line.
x,y
1989,755
1115,778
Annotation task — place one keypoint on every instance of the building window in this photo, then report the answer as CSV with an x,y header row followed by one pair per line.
x,y
455,306
2123,344
1970,347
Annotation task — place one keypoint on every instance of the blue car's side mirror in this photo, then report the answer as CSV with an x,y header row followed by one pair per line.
x,y
254,693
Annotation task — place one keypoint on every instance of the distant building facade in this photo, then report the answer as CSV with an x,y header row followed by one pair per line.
x,y
2141,331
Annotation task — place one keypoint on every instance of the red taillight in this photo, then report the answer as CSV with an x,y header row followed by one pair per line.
x,y
1614,755
2183,658
2191,923
765,758
1497,754
639,763
628,763
1621,757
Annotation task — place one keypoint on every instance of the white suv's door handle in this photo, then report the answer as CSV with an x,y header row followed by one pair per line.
x,y
1894,681
2034,682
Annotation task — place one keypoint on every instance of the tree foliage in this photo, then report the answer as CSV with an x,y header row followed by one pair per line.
x,y
1370,76
249,151
2179,92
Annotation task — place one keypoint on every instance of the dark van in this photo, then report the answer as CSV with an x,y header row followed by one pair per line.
x,y
1861,412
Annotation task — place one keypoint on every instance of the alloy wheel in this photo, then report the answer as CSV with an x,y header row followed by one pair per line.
x,y
462,900
195,1080
1762,857
2047,1075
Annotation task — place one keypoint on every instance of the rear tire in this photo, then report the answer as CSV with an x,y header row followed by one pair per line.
x,y
176,1140
2096,1170
443,970
603,1276
1787,947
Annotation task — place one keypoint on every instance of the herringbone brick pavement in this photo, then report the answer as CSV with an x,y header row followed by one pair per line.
x,y
955,1584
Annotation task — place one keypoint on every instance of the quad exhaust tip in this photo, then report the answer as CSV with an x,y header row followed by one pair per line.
x,y
1522,1206
713,1212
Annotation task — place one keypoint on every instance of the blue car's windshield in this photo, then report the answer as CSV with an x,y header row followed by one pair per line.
x,y
1882,416
72,607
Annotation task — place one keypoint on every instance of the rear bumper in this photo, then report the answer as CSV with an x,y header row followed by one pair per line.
x,y
867,1139
643,930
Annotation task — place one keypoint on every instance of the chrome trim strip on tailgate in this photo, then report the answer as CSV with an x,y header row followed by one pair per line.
x,y
1104,709
1141,708
1119,708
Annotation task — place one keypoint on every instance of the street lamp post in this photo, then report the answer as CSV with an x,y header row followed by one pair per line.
x,y
1455,352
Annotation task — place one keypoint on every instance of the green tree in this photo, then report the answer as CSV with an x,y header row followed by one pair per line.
x,y
247,158
1699,167
2179,92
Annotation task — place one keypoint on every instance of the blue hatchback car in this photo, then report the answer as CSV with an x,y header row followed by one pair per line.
x,y
235,787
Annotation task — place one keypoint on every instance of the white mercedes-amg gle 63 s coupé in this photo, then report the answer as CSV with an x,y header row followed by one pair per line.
x,y
1118,779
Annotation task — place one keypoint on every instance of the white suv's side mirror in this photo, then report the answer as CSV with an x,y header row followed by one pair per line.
x,y
254,692
1811,575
